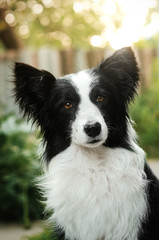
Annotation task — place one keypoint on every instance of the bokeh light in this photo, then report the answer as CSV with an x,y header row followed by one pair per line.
x,y
133,24
10,19
96,23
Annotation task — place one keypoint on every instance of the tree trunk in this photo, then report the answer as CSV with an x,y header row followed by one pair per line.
x,y
8,34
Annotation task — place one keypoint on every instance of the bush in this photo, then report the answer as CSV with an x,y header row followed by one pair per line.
x,y
19,166
145,113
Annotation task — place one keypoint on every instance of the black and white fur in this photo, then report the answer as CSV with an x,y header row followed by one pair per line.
x,y
96,181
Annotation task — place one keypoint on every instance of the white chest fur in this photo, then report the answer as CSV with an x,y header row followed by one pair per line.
x,y
96,194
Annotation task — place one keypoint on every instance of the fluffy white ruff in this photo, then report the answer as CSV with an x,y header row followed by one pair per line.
x,y
97,194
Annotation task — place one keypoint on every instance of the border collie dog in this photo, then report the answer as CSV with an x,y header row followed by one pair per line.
x,y
96,181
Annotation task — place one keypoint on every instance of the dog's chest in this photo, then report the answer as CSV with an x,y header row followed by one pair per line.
x,y
97,194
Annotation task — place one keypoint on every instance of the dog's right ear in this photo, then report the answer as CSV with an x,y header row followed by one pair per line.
x,y
32,88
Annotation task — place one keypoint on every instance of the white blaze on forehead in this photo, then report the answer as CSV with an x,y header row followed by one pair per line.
x,y
82,81
87,110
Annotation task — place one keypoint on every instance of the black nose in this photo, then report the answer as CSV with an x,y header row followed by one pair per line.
x,y
92,130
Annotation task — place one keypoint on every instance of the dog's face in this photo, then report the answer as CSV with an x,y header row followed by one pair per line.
x,y
88,108
86,123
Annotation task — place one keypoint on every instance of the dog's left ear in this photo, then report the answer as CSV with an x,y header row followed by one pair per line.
x,y
121,69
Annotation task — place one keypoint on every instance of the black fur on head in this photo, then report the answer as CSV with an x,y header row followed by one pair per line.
x,y
122,70
119,78
33,90
41,98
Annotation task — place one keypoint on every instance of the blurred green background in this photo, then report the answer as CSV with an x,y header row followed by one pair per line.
x,y
64,36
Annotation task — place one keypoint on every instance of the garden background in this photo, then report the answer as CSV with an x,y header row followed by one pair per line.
x,y
64,36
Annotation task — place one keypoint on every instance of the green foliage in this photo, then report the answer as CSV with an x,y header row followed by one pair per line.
x,y
148,43
19,166
145,113
57,23
46,234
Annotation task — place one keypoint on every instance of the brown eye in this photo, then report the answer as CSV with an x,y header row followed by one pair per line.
x,y
68,105
100,98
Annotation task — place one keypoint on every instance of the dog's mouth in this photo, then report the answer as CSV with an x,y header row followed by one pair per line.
x,y
94,141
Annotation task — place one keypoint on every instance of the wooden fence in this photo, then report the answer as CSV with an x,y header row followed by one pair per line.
x,y
58,63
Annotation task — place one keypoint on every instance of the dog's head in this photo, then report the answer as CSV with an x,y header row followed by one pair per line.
x,y
88,108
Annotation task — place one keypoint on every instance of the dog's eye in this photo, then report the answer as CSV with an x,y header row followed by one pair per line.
x,y
100,98
68,105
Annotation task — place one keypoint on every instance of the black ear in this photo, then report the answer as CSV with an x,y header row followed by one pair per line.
x,y
122,70
32,88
